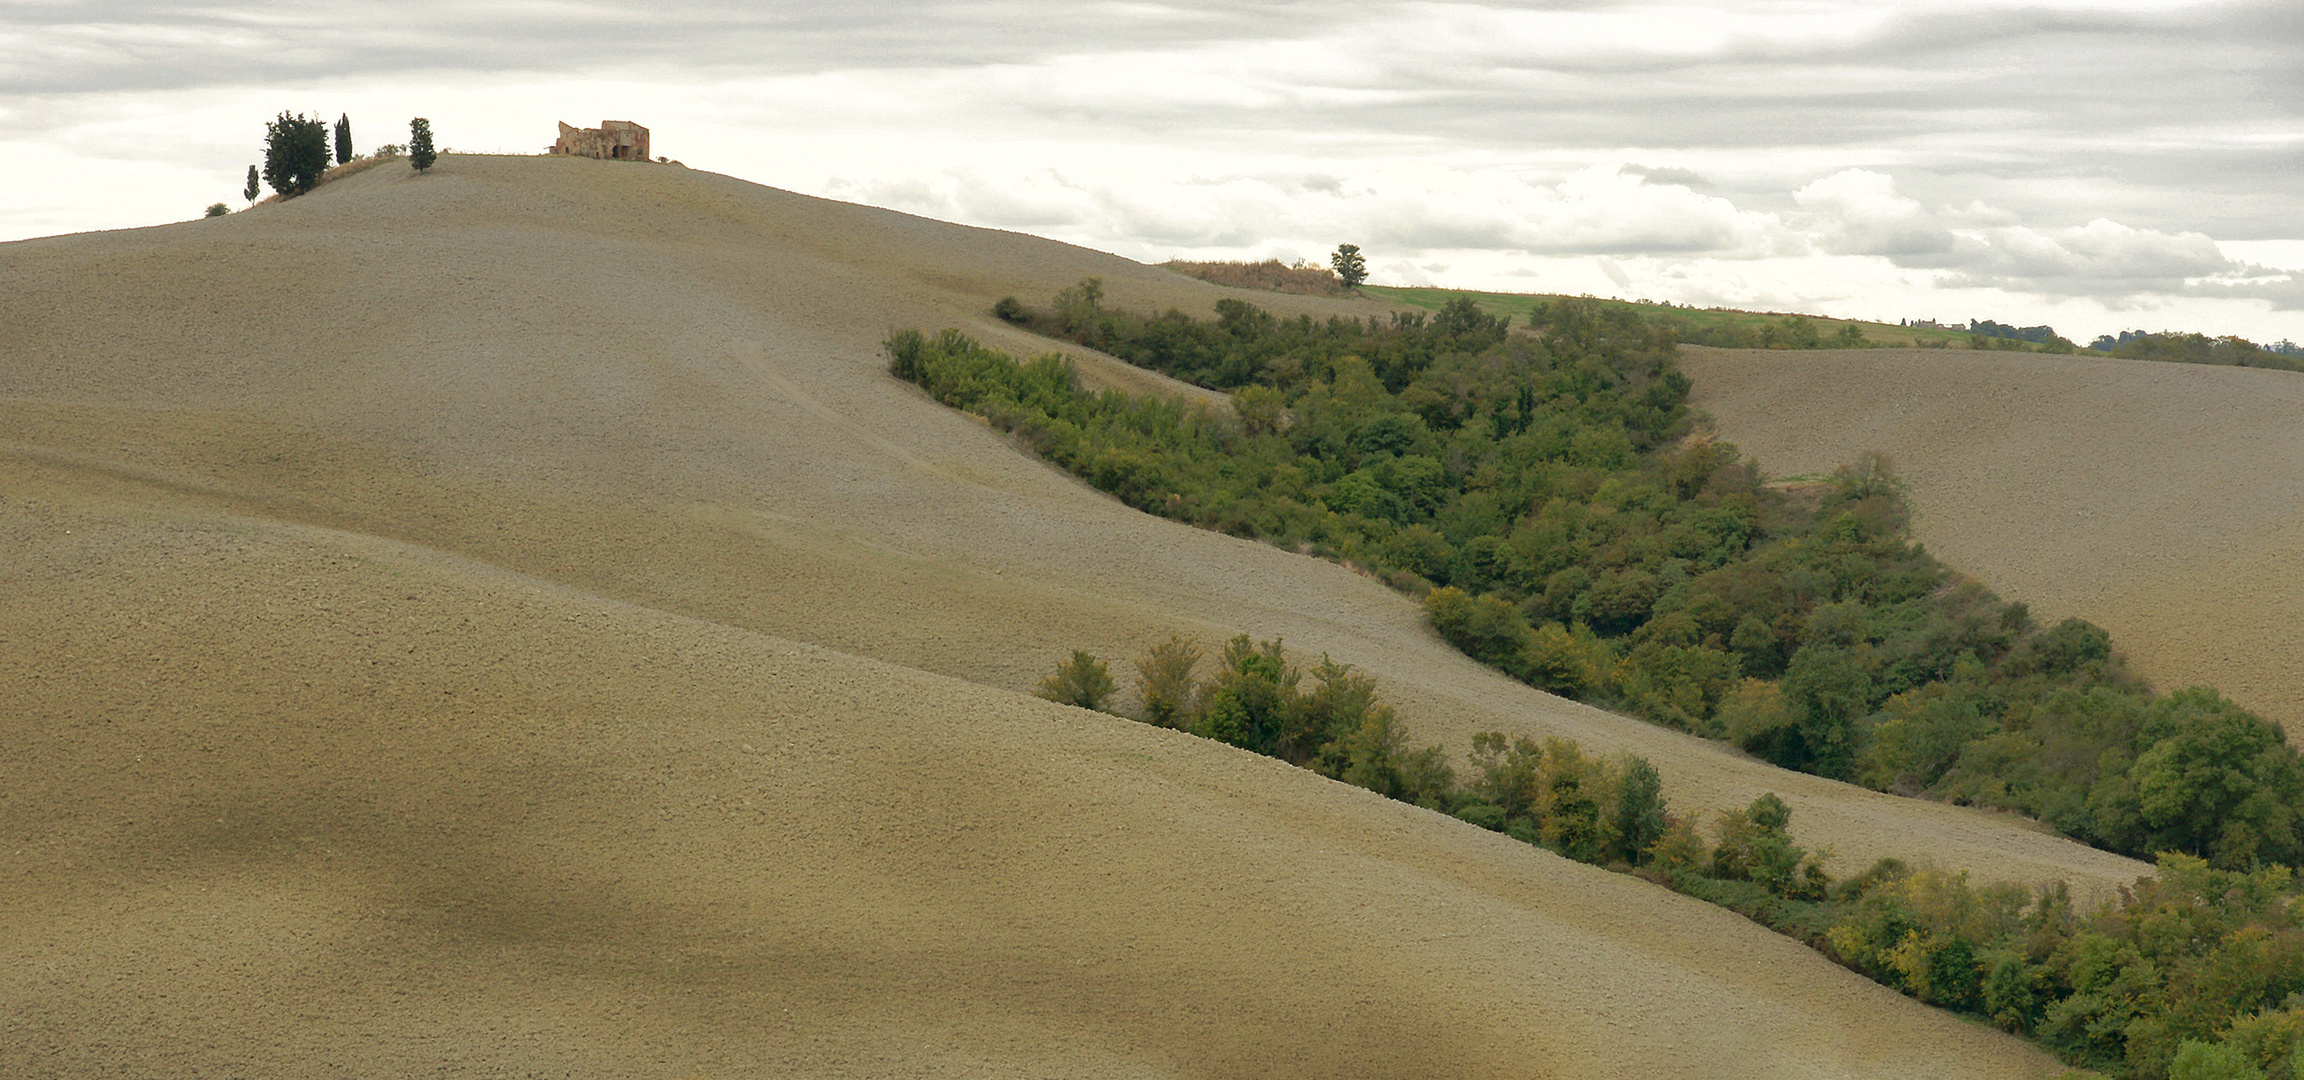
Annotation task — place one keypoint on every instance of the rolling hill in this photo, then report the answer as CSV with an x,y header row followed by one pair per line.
x,y
2164,502
506,622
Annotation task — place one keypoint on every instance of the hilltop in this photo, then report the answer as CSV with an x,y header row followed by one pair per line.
x,y
507,619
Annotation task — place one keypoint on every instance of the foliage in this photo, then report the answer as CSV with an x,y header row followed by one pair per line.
x,y
2196,349
420,152
1545,492
1164,678
2189,972
252,190
343,139
217,210
1350,268
1573,532
2193,972
1083,681
295,153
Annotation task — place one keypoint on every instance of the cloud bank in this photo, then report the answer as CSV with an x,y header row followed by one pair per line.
x,y
2078,158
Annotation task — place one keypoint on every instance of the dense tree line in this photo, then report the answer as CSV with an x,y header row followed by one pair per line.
x,y
2040,335
2195,973
2201,349
1608,811
1543,490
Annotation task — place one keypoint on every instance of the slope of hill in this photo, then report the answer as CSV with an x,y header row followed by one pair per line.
x,y
2164,502
506,620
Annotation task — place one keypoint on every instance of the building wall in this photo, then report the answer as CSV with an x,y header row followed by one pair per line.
x,y
616,140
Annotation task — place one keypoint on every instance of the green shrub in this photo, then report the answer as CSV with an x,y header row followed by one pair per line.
x,y
1165,678
1083,681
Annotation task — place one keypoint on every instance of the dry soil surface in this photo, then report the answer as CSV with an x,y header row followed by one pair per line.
x,y
2164,502
506,622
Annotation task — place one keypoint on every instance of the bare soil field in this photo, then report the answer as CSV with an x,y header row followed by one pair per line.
x,y
507,622
2164,502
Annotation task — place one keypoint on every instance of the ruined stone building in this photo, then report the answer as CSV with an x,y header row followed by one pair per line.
x,y
618,140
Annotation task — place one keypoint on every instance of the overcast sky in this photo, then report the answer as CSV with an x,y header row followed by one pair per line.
x,y
2095,165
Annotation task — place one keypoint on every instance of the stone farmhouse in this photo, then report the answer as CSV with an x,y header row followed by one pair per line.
x,y
616,140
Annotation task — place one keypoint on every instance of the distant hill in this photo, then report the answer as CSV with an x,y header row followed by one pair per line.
x,y
1728,328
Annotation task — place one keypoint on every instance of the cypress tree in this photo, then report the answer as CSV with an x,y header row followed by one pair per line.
x,y
420,153
254,185
343,138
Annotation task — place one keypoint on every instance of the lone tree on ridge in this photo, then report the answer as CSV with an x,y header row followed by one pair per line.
x,y
295,153
420,152
343,138
255,186
1349,266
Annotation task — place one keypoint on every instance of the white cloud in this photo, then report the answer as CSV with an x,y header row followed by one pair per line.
x,y
1819,153
1858,212
2101,258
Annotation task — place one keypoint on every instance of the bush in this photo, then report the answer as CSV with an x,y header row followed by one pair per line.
x,y
1083,681
1165,681
217,210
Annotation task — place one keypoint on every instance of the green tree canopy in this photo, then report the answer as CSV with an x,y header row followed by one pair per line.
x,y
1349,266
2216,782
295,153
420,152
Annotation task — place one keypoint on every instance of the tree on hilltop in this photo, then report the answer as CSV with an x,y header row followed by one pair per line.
x,y
420,152
343,138
1349,266
295,153
255,186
